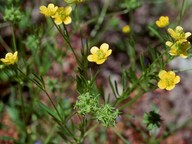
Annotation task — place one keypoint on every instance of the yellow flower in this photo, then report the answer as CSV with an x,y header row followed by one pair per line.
x,y
178,48
126,29
48,11
168,80
162,22
62,15
10,58
178,34
99,56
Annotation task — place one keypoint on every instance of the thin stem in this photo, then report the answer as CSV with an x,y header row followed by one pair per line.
x,y
51,132
107,15
22,109
181,12
120,136
66,40
13,37
66,31
127,92
4,44
100,19
43,89
182,70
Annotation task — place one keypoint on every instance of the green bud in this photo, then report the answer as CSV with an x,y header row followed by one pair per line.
x,y
32,42
87,103
107,115
12,15
152,120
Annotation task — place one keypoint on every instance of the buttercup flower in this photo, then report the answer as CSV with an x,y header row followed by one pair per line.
x,y
62,15
48,11
168,80
178,48
126,29
178,34
10,58
99,56
162,22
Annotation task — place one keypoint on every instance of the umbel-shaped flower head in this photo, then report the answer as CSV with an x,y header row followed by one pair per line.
x,y
107,115
152,120
168,80
178,34
178,48
10,58
62,15
162,22
48,11
99,56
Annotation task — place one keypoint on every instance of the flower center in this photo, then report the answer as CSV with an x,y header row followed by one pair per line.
x,y
169,82
61,13
100,54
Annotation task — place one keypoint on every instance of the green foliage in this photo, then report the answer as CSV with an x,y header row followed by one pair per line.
x,y
53,94
87,103
107,115
12,15
152,120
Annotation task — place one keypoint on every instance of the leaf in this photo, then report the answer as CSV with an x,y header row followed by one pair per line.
x,y
50,111
155,32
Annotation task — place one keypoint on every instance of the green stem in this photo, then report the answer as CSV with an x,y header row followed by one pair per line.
x,y
23,109
181,12
127,92
51,132
100,19
120,136
13,38
107,16
132,101
44,90
182,70
66,40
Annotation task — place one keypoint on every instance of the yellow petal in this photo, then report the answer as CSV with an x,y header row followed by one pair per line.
x,y
169,44
173,52
170,87
171,73
92,58
158,23
58,21
42,8
51,6
179,28
162,74
15,54
3,60
177,79
171,32
68,10
67,20
187,34
184,55
100,61
94,49
162,84
108,53
104,47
